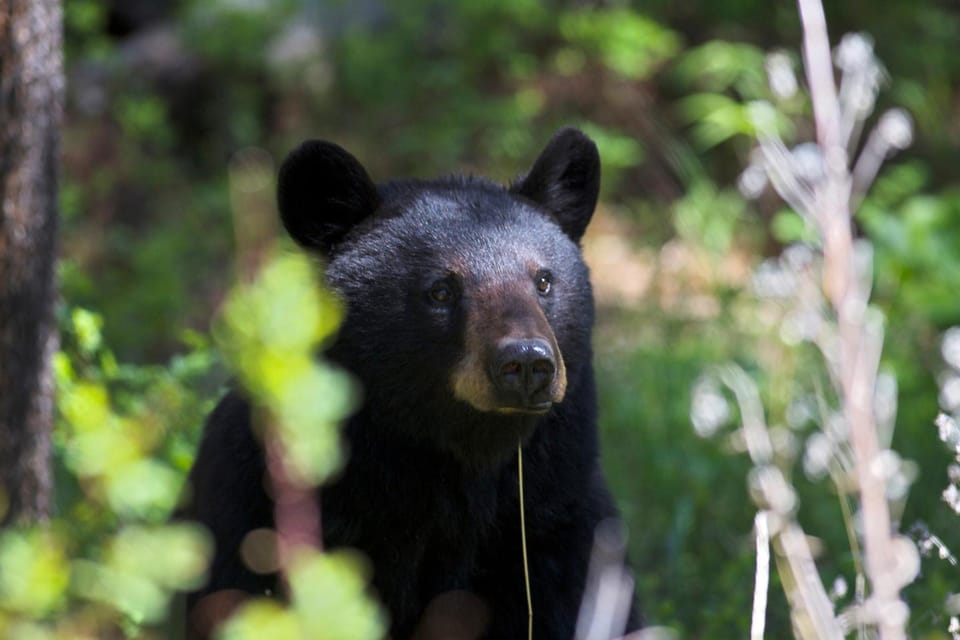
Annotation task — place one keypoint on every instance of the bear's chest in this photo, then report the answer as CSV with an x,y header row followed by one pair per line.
x,y
424,530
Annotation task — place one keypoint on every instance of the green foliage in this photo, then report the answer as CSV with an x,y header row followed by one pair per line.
x,y
729,79
417,87
33,581
233,34
682,510
719,66
788,227
620,153
328,603
269,333
84,21
708,218
627,42
918,243
109,562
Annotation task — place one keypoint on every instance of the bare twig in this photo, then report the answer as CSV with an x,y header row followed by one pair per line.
x,y
761,580
296,510
811,607
858,341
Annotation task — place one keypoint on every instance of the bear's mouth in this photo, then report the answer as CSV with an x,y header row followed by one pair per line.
x,y
537,409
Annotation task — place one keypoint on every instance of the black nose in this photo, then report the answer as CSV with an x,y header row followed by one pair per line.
x,y
522,371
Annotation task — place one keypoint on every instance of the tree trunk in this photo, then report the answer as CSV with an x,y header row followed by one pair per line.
x,y
31,106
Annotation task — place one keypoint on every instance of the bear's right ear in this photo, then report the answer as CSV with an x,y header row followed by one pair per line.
x,y
322,193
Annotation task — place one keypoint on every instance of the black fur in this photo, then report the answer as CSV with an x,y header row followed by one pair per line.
x,y
430,491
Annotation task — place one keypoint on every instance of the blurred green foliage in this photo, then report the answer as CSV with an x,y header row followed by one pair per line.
x,y
160,102
110,560
274,360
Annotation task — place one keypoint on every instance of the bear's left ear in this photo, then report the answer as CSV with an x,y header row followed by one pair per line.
x,y
565,180
322,193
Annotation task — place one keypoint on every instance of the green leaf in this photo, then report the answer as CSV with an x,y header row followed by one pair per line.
x,y
628,43
329,596
33,574
259,619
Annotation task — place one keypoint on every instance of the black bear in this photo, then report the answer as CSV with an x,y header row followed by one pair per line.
x,y
469,314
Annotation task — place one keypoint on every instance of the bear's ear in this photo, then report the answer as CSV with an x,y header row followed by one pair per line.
x,y
322,193
565,180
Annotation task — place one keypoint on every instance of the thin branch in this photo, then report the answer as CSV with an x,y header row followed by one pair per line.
x,y
761,580
296,507
858,340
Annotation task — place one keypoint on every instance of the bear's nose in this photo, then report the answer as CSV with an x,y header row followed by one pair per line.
x,y
522,371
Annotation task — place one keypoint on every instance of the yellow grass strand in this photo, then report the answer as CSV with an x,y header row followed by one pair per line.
x,y
523,541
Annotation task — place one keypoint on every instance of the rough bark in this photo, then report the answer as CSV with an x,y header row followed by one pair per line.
x,y
31,105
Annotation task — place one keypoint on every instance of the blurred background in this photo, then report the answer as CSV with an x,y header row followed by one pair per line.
x,y
178,111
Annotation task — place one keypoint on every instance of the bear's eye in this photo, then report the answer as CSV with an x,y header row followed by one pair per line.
x,y
544,282
441,292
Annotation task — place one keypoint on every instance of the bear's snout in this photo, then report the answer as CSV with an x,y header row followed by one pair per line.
x,y
522,372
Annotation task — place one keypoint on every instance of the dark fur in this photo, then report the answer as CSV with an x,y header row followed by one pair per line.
x,y
430,492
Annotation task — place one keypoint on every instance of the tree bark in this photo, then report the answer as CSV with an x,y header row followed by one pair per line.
x,y
31,107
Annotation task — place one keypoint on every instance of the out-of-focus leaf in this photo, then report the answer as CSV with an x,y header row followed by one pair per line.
x,y
131,594
94,453
33,572
269,333
629,43
173,555
618,150
789,227
708,217
719,65
260,618
86,407
143,488
332,586
87,326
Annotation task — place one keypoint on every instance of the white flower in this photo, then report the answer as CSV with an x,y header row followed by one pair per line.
x,y
948,429
783,82
854,52
951,495
950,347
709,409
896,128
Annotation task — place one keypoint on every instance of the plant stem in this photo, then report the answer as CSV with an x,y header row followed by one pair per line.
x,y
848,297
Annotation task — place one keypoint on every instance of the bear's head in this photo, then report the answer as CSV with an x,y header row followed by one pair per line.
x,y
469,307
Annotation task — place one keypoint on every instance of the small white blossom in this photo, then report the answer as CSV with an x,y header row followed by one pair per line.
x,y
885,465
709,409
951,495
808,162
752,182
817,456
839,588
854,52
771,489
950,347
953,473
770,280
800,411
836,427
780,75
948,429
950,393
885,397
896,128
798,257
